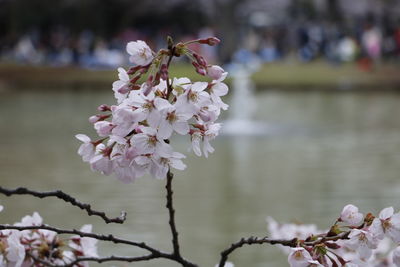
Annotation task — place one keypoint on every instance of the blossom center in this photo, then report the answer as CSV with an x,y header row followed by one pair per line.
x,y
298,255
193,96
171,117
386,224
152,140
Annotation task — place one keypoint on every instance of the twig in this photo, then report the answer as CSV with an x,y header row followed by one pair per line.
x,y
99,260
171,210
67,198
175,241
251,241
109,238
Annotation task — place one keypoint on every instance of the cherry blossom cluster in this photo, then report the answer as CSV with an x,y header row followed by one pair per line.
x,y
29,247
354,240
135,132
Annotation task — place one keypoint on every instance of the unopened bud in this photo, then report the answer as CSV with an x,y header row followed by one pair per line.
x,y
332,245
124,89
164,72
200,60
135,87
215,72
135,79
133,70
199,69
210,41
103,108
98,117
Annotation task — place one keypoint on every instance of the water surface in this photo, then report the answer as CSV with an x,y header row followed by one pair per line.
x,y
323,151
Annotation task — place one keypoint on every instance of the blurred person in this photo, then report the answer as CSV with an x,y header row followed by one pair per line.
x,y
25,52
347,49
371,41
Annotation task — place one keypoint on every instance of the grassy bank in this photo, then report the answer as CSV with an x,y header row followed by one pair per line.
x,y
316,75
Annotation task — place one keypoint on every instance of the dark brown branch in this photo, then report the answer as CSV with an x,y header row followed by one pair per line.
x,y
99,260
67,198
171,211
169,86
175,241
109,238
252,241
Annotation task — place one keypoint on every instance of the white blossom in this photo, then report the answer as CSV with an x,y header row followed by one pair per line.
x,y
363,242
387,224
140,52
350,215
299,257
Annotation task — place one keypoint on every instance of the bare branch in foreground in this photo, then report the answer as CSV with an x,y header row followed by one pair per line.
x,y
99,260
109,238
171,212
252,241
67,198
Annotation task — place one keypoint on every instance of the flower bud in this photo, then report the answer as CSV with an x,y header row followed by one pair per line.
x,y
199,69
98,117
200,60
103,108
124,89
215,72
210,41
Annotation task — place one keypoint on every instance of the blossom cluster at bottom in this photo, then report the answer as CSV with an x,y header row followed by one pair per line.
x,y
28,247
354,240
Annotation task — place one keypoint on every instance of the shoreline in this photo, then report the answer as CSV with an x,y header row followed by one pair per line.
x,y
274,76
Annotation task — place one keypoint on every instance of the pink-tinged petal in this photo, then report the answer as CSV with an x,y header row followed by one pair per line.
x,y
163,150
139,115
299,257
118,85
386,213
82,137
178,155
207,148
196,138
123,75
394,234
181,127
102,164
199,86
161,103
177,164
142,160
223,76
396,256
149,131
125,175
215,72
220,89
158,171
140,52
364,251
165,130
376,229
351,215
153,119
395,220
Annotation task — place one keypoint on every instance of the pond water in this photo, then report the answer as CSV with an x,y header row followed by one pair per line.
x,y
323,151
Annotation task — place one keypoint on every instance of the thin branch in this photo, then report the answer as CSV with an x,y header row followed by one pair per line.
x,y
288,243
99,260
169,86
251,241
67,198
171,210
109,238
175,241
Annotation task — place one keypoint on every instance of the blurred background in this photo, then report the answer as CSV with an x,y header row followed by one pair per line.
x,y
313,122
